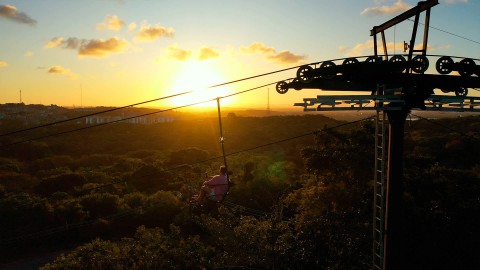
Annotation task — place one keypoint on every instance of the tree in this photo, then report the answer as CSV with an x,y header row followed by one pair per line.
x,y
100,204
148,249
64,182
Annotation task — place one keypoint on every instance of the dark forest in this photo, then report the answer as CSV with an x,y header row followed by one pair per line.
x,y
117,196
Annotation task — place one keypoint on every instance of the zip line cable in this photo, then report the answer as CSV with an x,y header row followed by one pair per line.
x,y
248,149
92,114
128,118
446,127
230,154
251,211
243,209
277,71
450,33
153,100
102,124
255,76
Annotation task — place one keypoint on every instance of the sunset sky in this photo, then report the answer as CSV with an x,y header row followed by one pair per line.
x,y
119,52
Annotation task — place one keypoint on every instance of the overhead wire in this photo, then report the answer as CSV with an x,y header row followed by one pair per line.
x,y
145,102
446,127
251,211
92,114
227,154
152,100
125,119
101,124
450,33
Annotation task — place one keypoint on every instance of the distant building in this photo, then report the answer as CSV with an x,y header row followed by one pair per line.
x,y
146,120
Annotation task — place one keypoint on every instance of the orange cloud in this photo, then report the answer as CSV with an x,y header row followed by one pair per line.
x,y
92,47
359,49
102,48
258,47
366,48
286,57
62,71
178,54
111,23
55,42
11,13
132,26
3,64
397,7
270,53
150,33
207,53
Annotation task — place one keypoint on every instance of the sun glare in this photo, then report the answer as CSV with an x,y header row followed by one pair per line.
x,y
197,76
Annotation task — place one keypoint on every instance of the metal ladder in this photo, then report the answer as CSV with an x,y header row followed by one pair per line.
x,y
379,201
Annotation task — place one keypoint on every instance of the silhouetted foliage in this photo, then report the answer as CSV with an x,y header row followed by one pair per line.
x,y
301,204
149,249
64,182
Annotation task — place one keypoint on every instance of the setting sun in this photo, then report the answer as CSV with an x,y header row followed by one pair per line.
x,y
197,76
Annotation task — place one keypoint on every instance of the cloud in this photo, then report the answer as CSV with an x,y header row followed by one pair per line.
x,y
92,47
70,43
55,42
28,54
270,53
150,33
132,26
366,48
11,13
102,48
111,23
3,64
397,7
286,57
59,70
207,53
178,54
258,47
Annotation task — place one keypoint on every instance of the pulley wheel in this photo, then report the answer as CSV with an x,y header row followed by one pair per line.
x,y
461,92
444,65
350,61
304,74
281,87
465,68
398,59
420,63
373,59
296,84
332,73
